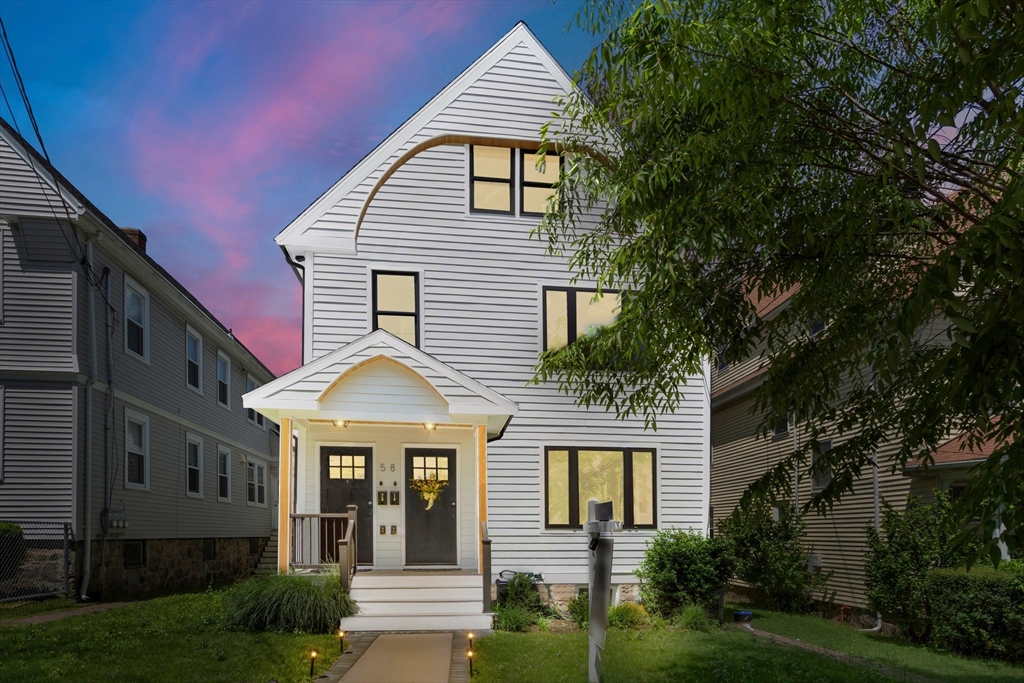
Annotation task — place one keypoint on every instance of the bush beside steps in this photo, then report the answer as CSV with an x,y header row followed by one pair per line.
x,y
288,603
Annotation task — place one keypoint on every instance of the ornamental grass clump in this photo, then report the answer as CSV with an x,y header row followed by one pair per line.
x,y
693,618
626,616
288,603
514,618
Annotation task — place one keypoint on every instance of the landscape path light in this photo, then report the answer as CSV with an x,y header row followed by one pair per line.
x,y
469,656
341,641
312,660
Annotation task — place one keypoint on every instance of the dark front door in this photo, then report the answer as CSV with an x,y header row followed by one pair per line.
x,y
346,479
431,524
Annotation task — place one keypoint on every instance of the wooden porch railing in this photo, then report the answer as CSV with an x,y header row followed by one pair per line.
x,y
320,540
485,565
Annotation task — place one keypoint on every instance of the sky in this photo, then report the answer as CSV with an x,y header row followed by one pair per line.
x,y
212,125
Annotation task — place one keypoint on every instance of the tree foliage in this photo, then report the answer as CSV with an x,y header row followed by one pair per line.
x,y
864,153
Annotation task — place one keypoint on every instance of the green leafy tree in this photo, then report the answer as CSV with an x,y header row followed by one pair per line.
x,y
865,153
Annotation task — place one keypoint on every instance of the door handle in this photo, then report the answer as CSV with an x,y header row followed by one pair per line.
x,y
453,503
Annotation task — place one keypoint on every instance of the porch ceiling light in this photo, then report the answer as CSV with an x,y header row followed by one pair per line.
x,y
341,423
429,426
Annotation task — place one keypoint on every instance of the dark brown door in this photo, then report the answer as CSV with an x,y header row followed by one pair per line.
x,y
346,478
431,519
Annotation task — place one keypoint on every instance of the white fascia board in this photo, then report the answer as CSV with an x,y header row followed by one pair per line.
x,y
292,235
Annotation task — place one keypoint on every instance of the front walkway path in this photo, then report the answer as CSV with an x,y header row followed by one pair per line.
x,y
402,658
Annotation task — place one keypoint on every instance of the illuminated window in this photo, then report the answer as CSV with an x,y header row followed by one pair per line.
x,y
626,477
430,467
396,305
490,171
571,313
347,467
536,189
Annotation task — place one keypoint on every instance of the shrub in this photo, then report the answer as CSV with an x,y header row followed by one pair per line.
x,y
514,618
627,615
771,558
910,544
579,610
309,604
521,592
681,568
693,618
12,549
978,613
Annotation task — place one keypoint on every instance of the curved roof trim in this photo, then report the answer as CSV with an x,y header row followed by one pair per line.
x,y
363,364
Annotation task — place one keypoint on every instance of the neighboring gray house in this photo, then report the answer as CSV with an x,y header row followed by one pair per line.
x,y
169,477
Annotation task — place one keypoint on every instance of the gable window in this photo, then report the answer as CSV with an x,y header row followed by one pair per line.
x,y
193,359
250,414
193,466
571,313
396,305
223,380
136,450
624,476
136,319
820,477
256,483
539,174
490,179
223,474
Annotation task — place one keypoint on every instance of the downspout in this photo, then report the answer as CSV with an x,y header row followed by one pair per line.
x,y
87,555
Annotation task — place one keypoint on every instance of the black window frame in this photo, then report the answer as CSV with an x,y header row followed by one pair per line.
x,y
415,297
626,515
570,310
524,183
511,183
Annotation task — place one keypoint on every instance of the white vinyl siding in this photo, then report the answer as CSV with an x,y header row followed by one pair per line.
x,y
193,359
194,466
136,450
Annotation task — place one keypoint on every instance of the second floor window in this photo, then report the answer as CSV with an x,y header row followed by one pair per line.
x,y
223,380
194,466
223,474
536,188
490,179
136,319
136,451
193,359
250,414
571,313
396,305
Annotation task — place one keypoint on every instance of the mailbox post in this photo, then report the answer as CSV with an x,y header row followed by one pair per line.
x,y
599,527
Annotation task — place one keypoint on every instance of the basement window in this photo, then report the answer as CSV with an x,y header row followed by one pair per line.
x,y
134,554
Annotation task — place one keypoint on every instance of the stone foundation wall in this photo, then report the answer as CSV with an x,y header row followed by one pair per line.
x,y
561,593
170,564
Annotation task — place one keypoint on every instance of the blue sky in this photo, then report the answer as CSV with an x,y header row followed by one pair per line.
x,y
210,125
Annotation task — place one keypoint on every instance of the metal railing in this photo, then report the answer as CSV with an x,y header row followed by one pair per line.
x,y
485,565
319,541
35,559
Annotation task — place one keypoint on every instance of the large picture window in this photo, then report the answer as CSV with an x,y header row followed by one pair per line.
x,y
537,184
396,305
571,313
624,476
490,179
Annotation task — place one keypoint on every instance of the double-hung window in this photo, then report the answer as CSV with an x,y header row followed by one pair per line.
x,y
256,483
540,172
223,473
820,476
136,319
250,414
781,427
490,179
625,476
193,466
571,313
223,380
396,305
193,359
136,450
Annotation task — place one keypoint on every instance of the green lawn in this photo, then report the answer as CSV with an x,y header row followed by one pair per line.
x,y
177,638
657,656
20,609
885,650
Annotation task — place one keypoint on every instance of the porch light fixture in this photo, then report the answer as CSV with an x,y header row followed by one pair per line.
x,y
341,423
312,660
429,426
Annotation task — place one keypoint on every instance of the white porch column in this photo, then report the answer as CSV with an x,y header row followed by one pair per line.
x,y
284,498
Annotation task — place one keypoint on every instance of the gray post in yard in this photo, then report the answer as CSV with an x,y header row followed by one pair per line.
x,y
599,527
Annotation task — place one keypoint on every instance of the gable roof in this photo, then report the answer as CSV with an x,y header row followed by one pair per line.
x,y
520,42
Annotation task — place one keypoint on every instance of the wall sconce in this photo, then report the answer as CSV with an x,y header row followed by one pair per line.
x,y
341,423
429,426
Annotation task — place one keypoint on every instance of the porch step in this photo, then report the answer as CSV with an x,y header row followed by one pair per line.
x,y
268,559
393,580
427,601
417,622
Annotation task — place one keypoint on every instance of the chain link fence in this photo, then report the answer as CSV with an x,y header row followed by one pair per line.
x,y
35,559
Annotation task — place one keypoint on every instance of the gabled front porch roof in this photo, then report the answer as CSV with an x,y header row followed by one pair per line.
x,y
380,378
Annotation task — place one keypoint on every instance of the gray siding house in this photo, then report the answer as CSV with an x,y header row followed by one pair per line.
x,y
141,445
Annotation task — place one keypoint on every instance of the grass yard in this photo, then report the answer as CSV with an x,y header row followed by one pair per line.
x,y
886,650
176,638
19,609
657,656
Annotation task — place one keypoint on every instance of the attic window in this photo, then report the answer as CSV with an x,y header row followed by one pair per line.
x,y
490,171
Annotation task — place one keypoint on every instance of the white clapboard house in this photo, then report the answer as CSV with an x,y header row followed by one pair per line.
x,y
426,304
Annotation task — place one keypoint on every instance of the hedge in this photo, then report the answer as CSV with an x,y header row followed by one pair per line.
x,y
978,613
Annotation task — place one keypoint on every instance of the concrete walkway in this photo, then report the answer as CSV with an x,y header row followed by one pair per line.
x,y
411,657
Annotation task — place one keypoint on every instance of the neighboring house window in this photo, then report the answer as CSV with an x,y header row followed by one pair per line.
x,y
223,474
136,319
723,364
134,554
223,380
816,327
575,475
537,185
396,305
256,483
571,313
820,478
193,359
490,184
193,465
136,451
781,427
250,414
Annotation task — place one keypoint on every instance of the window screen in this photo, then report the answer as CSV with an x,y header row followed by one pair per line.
x,y
396,305
490,171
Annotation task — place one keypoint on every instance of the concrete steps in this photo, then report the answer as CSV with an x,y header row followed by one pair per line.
x,y
414,601
268,559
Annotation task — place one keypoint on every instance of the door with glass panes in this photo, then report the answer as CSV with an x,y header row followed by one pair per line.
x,y
344,481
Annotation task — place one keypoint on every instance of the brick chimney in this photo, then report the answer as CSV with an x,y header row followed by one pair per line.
x,y
137,236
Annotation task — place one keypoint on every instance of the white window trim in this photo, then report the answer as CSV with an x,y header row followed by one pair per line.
x,y
224,450
221,354
256,416
130,282
193,439
144,419
257,463
189,330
